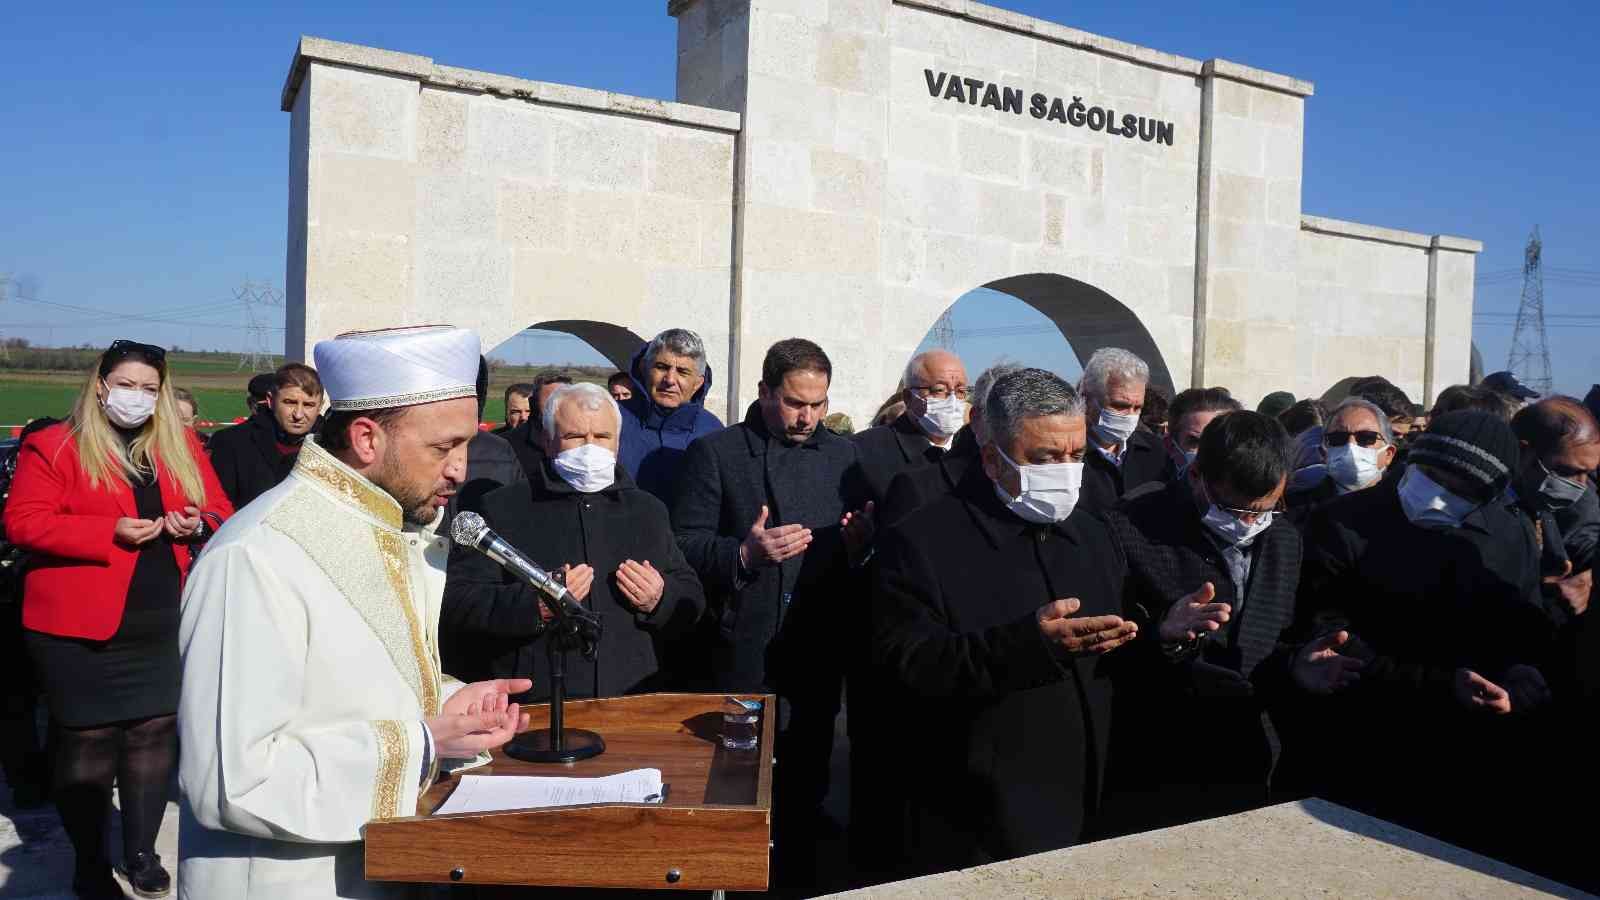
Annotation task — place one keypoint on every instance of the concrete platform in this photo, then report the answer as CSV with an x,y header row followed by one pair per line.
x,y
1307,849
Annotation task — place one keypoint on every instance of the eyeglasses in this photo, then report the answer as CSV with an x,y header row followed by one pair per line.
x,y
1247,516
155,355
940,392
1363,438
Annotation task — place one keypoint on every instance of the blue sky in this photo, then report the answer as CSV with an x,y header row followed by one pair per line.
x,y
143,165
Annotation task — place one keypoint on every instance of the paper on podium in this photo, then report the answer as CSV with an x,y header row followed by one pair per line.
x,y
496,793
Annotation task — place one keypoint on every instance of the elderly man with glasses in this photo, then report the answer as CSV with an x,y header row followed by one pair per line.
x,y
1359,445
938,402
1213,571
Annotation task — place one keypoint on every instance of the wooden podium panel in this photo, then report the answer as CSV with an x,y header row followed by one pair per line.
x,y
711,833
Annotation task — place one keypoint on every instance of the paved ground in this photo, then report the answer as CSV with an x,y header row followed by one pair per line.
x,y
36,859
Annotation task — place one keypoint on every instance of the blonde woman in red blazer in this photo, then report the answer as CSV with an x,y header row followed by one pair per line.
x,y
111,505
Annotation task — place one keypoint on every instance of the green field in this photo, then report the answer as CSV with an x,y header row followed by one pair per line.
x,y
38,382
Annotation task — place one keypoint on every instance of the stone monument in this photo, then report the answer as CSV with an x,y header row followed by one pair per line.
x,y
844,170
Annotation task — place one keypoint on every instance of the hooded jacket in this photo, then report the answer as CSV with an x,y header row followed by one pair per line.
x,y
653,438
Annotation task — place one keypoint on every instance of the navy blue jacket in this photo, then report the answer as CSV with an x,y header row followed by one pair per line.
x,y
654,439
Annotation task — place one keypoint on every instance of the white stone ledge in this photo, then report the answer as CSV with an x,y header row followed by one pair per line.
x,y
1233,71
424,70
1340,228
983,13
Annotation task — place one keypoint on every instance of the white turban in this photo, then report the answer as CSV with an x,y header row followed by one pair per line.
x,y
395,367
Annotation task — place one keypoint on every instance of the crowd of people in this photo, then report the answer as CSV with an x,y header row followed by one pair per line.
x,y
1049,612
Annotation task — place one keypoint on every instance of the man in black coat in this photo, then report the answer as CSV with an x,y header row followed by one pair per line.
x,y
768,512
936,398
918,486
614,545
1214,568
252,457
991,609
1435,579
1121,455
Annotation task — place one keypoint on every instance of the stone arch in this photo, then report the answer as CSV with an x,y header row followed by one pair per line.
x,y
1088,318
616,343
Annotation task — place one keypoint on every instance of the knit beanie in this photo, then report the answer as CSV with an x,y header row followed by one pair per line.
x,y
1473,445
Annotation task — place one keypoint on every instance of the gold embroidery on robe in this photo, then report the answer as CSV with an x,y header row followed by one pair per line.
x,y
387,785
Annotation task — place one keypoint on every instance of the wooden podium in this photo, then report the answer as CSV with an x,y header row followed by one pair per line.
x,y
711,833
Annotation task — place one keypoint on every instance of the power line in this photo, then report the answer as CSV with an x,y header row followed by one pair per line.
x,y
257,299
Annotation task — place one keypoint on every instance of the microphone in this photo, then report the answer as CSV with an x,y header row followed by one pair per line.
x,y
470,530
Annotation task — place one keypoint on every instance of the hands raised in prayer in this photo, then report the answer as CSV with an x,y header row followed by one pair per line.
x,y
1193,615
479,716
1090,634
1320,668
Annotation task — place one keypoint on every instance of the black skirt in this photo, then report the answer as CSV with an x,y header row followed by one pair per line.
x,y
133,675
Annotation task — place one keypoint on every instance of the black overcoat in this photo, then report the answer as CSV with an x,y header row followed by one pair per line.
x,y
1420,603
887,450
773,625
1205,701
1005,744
489,626
247,460
916,487
1144,461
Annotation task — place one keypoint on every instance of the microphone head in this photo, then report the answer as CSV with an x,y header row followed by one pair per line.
x,y
468,528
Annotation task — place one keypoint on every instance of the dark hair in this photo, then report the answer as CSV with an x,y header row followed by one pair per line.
x,y
184,395
548,377
622,378
334,436
297,375
1303,416
1553,421
791,355
1465,396
260,387
1246,451
1385,396
1156,406
1198,400
520,389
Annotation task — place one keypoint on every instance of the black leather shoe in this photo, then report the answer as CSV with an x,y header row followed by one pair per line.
x,y
147,877
97,883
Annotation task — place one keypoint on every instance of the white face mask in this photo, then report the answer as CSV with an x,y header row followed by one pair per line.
x,y
587,467
944,416
1353,466
1230,527
1428,505
1049,492
128,408
1115,428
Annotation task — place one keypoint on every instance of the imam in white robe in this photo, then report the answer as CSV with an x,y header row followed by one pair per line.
x,y
309,638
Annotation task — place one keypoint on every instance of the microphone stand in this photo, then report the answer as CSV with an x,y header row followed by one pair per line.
x,y
559,744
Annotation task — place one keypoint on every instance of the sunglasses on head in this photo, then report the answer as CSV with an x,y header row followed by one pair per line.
x,y
1363,438
122,349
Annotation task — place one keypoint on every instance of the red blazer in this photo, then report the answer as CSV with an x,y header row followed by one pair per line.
x,y
78,576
